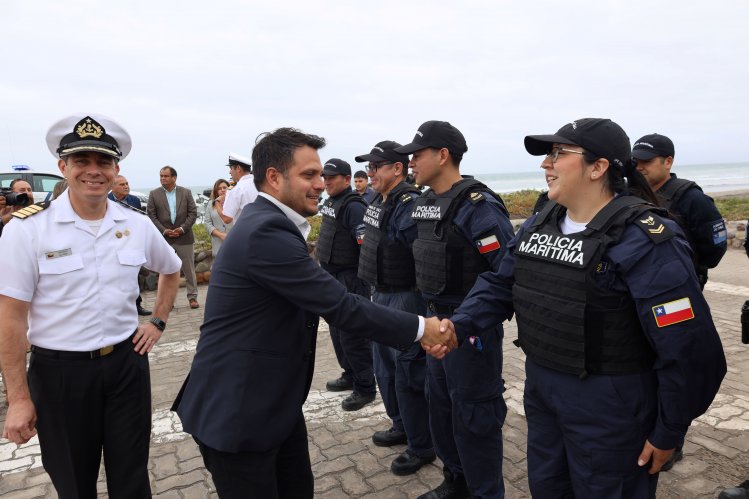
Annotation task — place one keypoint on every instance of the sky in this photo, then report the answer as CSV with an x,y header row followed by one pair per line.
x,y
193,81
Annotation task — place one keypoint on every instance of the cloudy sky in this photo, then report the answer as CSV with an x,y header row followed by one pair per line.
x,y
192,81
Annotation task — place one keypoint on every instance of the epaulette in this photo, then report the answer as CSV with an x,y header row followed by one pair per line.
x,y
31,210
125,205
475,197
653,226
406,197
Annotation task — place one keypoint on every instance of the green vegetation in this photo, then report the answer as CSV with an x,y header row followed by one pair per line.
x,y
315,222
520,203
733,208
202,239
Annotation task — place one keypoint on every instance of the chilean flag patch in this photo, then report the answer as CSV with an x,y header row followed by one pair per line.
x,y
673,312
487,244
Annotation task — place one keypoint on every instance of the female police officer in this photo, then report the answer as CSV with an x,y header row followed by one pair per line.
x,y
621,349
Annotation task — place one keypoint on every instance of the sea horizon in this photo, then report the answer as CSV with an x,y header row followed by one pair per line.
x,y
712,178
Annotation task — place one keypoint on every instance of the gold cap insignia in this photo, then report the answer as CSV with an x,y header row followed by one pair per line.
x,y
88,127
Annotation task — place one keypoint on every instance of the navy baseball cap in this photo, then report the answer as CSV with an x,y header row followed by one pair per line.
x,y
600,136
437,134
335,166
650,146
384,151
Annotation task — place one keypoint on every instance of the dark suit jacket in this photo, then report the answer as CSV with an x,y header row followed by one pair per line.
x,y
253,365
187,213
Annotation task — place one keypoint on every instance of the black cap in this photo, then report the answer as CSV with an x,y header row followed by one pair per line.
x,y
437,134
650,146
599,136
384,151
335,166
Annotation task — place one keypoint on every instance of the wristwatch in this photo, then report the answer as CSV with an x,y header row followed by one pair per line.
x,y
160,325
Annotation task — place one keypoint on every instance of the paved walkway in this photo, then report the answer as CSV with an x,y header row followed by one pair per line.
x,y
347,464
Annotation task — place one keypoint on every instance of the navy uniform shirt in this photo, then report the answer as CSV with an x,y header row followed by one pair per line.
x,y
690,363
703,224
478,221
400,226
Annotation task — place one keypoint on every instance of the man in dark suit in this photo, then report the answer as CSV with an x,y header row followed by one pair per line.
x,y
242,400
172,210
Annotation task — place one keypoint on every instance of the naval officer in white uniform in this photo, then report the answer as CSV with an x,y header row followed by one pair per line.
x,y
69,284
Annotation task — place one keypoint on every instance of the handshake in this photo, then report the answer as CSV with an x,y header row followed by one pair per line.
x,y
439,337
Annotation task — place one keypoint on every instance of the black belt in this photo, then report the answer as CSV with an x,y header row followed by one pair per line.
x,y
441,308
395,289
94,354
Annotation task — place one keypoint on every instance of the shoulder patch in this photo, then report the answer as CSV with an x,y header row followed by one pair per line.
x,y
125,205
653,226
30,210
475,197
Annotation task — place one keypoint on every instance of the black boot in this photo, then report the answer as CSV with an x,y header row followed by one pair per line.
x,y
740,492
452,487
141,310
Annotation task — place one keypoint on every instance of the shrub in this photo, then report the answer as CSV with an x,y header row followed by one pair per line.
x,y
520,203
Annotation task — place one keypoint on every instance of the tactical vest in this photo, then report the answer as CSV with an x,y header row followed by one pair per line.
x,y
446,262
670,194
384,261
672,191
565,320
335,246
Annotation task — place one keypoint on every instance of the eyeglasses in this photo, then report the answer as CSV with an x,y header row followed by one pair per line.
x,y
554,153
373,167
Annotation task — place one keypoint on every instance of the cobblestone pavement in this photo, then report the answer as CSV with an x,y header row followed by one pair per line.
x,y
346,463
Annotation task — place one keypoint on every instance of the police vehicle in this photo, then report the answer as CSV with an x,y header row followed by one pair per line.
x,y
42,183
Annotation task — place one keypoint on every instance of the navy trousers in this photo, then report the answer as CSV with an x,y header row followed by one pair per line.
x,y
584,436
353,352
401,378
467,411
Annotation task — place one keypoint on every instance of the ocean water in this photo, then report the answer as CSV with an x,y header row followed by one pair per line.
x,y
711,177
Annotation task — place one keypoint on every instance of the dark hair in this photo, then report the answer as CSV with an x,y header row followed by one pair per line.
x,y
276,150
635,184
456,158
361,174
15,180
216,184
172,171
59,188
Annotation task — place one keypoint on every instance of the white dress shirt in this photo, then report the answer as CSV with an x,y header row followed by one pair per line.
x,y
241,194
81,286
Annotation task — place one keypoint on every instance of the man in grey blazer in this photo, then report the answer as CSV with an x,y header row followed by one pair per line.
x,y
172,210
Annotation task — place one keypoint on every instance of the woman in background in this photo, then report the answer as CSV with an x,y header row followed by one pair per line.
x,y
215,226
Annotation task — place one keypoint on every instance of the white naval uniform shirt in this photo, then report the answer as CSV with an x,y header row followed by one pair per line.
x,y
243,193
82,287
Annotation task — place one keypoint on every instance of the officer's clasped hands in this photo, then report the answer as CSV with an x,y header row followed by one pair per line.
x,y
447,342
438,339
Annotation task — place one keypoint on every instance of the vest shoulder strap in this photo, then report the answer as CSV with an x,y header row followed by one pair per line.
x,y
675,188
623,210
